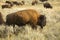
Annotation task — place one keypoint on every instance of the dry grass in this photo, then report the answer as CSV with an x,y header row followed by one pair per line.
x,y
50,32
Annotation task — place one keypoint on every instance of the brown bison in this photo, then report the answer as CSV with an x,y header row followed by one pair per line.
x,y
23,17
47,5
1,19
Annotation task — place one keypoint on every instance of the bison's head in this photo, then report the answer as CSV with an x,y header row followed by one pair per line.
x,y
42,20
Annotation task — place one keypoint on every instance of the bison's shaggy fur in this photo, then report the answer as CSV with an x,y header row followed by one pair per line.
x,y
10,19
42,21
23,17
1,19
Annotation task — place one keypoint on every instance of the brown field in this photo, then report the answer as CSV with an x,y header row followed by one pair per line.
x,y
50,32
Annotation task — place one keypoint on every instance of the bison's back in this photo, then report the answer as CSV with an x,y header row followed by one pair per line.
x,y
28,15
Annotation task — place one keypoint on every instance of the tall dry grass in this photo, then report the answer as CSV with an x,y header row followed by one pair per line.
x,y
50,32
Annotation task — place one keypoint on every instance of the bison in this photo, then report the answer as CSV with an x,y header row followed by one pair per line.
x,y
41,21
47,5
22,17
1,19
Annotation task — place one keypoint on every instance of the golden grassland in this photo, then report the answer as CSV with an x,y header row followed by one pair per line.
x,y
50,32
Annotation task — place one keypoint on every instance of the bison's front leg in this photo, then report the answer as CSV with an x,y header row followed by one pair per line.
x,y
33,25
